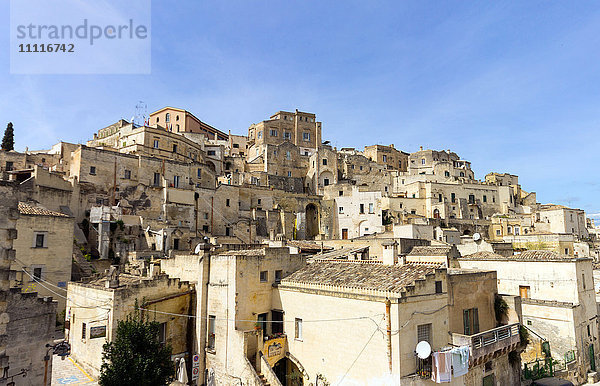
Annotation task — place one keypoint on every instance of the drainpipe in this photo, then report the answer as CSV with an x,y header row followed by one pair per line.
x,y
389,332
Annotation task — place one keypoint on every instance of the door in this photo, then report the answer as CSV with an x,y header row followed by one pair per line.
x,y
592,358
344,234
524,291
488,380
277,322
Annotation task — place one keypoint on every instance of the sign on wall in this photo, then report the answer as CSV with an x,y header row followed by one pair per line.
x,y
97,332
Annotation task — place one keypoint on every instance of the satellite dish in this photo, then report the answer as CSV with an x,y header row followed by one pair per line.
x,y
476,236
423,349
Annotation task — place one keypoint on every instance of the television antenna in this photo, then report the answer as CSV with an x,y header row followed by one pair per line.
x,y
141,114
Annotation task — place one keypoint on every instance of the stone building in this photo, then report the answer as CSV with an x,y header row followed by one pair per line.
x,y
561,219
389,309
298,128
44,250
182,121
440,163
388,156
558,302
27,322
95,307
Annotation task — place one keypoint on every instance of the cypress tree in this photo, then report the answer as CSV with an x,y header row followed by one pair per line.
x,y
8,142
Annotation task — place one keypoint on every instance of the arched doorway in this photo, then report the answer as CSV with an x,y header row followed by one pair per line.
x,y
467,232
436,213
288,373
312,221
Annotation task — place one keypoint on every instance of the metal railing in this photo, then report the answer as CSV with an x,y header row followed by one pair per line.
x,y
494,336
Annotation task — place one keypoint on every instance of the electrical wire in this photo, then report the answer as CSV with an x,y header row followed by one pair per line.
x,y
361,351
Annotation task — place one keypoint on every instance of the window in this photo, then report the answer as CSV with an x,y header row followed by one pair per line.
x,y
259,134
273,133
92,170
155,145
484,198
471,198
306,136
9,166
438,286
447,173
127,175
175,181
210,344
37,273
341,209
287,135
289,174
40,240
228,231
212,152
83,328
298,332
453,197
524,291
566,251
462,174
471,321
324,161
175,148
199,173
583,280
362,208
326,181
162,333
168,117
423,161
509,230
385,158
278,275
498,232
227,202
156,179
424,333
371,208
288,155
517,231
341,193
264,276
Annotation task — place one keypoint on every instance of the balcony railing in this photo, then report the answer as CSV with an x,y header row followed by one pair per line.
x,y
489,341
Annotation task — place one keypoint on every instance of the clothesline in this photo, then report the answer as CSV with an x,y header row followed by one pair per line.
x,y
449,362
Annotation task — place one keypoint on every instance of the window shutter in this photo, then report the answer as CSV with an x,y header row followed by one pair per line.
x,y
466,322
475,321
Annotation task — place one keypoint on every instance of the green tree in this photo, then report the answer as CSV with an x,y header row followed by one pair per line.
x,y
135,356
8,142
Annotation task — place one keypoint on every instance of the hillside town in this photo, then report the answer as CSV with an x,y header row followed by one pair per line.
x,y
271,257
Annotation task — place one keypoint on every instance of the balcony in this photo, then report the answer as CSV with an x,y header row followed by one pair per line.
x,y
485,344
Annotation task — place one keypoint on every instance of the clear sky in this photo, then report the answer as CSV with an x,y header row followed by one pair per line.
x,y
511,86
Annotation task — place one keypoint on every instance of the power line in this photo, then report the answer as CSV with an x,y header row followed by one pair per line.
x,y
360,353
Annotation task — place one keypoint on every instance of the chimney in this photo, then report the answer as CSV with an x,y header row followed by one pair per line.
x,y
112,277
420,148
390,252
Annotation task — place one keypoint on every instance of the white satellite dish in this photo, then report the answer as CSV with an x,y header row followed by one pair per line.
x,y
423,349
476,236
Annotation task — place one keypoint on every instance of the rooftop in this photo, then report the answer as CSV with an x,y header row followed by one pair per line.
x,y
430,251
392,278
30,210
531,255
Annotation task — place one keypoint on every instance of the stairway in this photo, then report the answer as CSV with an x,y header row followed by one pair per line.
x,y
263,380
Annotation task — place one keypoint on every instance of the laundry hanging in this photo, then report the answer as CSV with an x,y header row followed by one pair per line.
x,y
460,360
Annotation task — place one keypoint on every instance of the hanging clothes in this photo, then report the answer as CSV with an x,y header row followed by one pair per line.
x,y
441,367
460,360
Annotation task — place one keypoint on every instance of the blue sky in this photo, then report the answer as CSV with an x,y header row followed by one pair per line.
x,y
512,87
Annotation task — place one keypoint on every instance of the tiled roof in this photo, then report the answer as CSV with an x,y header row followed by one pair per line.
x,y
38,211
311,245
360,276
532,255
430,251
244,252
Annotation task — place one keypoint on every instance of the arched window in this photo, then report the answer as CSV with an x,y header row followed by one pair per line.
x,y
168,117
